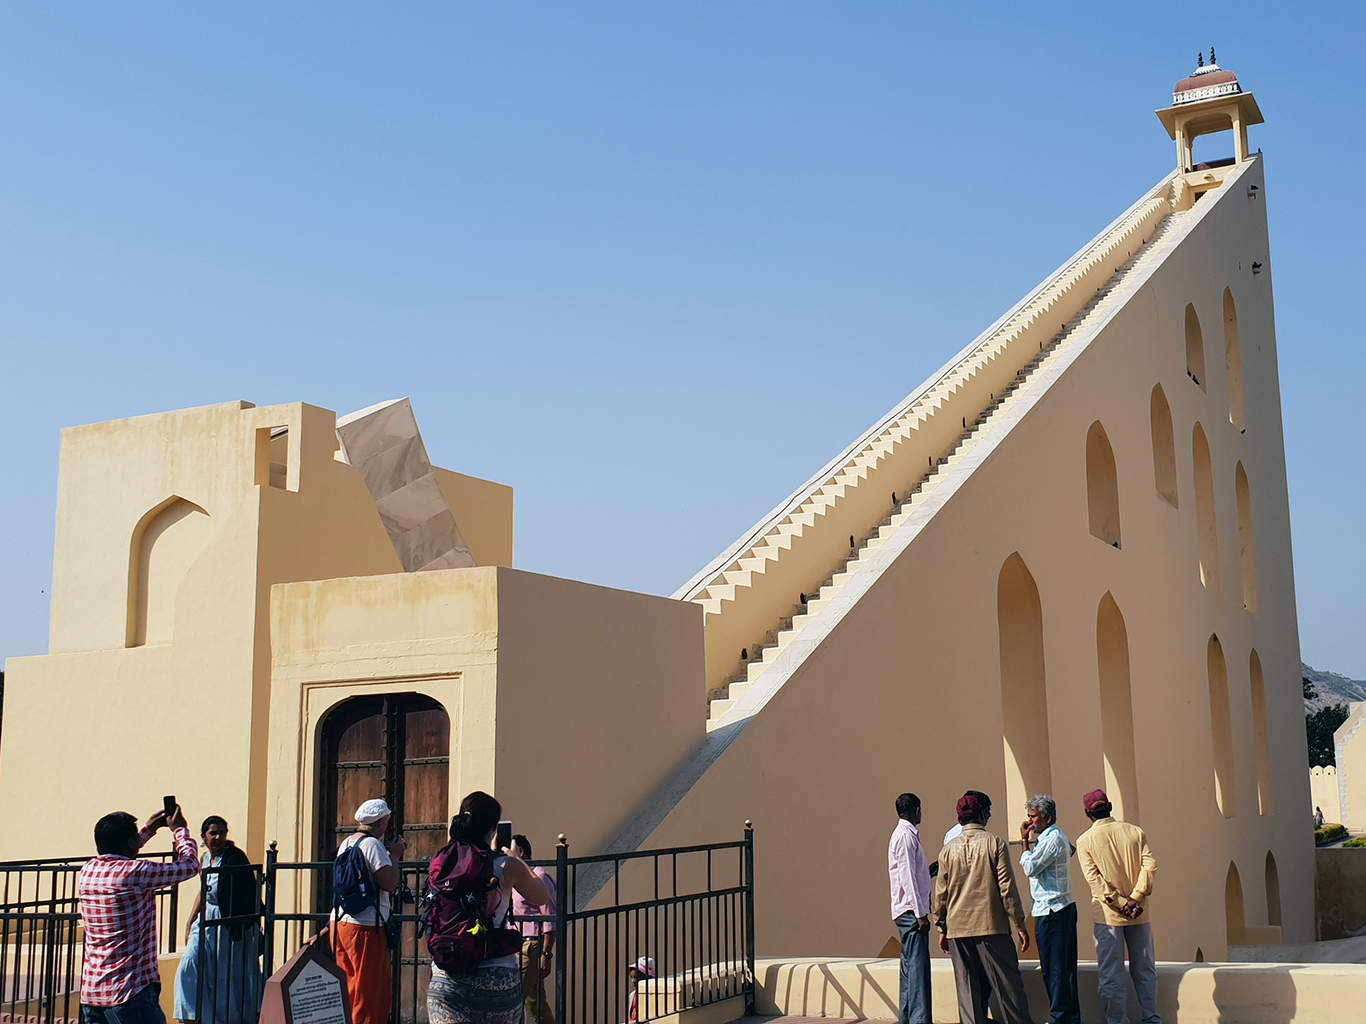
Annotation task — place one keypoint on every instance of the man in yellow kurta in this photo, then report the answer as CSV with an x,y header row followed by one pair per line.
x,y
1115,858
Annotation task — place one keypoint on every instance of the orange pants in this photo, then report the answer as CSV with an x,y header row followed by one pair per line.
x,y
363,953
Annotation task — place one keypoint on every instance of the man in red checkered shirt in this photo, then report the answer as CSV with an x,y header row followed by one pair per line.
x,y
120,983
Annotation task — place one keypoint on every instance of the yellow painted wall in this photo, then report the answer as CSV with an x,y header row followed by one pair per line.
x,y
483,511
568,701
905,691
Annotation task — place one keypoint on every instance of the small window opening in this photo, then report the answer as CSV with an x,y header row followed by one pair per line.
x,y
1207,537
1257,685
1233,359
272,457
1195,348
1234,917
1221,725
1247,543
1164,447
1102,486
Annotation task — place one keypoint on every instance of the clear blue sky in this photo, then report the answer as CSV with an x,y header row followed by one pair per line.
x,y
652,264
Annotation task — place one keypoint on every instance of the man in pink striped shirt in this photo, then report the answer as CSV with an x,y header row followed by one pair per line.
x,y
120,983
910,877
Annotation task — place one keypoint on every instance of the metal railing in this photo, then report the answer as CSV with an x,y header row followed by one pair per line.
x,y
41,937
685,915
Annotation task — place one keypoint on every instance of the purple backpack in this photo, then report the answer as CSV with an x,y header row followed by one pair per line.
x,y
457,922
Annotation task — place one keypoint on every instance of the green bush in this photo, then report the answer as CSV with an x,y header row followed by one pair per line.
x,y
1355,843
1329,834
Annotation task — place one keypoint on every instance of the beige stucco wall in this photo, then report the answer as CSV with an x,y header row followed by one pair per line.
x,y
851,989
905,692
1350,748
484,511
186,713
1323,792
568,701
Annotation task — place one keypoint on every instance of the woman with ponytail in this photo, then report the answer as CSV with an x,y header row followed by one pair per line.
x,y
489,990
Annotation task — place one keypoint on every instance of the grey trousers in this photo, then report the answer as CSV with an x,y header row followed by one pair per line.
x,y
984,960
1111,941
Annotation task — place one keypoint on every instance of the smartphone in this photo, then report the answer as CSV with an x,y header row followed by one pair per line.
x,y
168,805
504,835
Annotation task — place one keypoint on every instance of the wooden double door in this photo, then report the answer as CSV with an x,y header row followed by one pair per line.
x,y
395,746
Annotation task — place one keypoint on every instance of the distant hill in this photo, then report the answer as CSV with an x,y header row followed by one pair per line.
x,y
1332,689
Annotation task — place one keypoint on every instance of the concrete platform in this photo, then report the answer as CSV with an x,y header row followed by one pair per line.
x,y
867,989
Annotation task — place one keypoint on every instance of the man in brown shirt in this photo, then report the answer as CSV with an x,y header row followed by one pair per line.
x,y
975,906
1115,858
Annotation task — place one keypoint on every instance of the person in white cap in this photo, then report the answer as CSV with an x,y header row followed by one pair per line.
x,y
358,940
643,968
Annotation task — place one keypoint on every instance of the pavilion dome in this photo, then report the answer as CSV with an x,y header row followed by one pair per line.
x,y
1205,82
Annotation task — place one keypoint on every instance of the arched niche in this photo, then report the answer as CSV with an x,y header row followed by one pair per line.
x,y
395,746
1221,725
1195,348
1233,360
165,543
1116,709
1207,535
1235,918
1024,692
1102,486
1273,891
1262,739
1164,446
1247,542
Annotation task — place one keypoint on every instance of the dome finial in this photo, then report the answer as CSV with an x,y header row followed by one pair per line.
x,y
1211,56
1200,59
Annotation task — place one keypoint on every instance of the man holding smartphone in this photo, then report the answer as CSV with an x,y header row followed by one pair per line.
x,y
120,981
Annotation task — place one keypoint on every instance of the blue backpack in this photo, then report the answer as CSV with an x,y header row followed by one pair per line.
x,y
353,887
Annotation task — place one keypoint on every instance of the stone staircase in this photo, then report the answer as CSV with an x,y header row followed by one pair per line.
x,y
757,658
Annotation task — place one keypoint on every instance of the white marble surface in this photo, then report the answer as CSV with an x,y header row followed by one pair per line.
x,y
385,446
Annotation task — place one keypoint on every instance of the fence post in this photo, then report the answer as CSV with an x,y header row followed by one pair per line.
x,y
751,983
268,939
561,921
174,911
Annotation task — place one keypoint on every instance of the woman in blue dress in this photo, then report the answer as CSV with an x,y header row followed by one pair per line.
x,y
219,978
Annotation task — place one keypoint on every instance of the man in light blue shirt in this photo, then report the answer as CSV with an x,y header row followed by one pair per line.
x,y
1054,909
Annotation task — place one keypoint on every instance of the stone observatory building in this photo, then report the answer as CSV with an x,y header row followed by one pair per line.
x,y
1061,562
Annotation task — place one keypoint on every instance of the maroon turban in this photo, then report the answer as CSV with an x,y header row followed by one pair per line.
x,y
968,804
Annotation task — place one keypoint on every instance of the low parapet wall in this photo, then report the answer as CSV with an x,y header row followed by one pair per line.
x,y
859,989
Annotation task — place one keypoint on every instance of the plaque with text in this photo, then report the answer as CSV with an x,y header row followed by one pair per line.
x,y
309,989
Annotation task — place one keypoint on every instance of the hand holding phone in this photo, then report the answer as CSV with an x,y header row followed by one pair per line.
x,y
504,840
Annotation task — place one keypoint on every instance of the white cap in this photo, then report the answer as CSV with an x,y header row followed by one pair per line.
x,y
646,966
372,811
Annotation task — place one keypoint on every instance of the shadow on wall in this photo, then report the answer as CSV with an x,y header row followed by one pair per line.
x,y
1340,892
1263,997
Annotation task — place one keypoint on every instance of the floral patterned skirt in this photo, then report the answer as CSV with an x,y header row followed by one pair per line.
x,y
490,995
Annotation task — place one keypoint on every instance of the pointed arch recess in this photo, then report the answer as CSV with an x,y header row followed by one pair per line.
x,y
1102,486
1205,525
1024,698
1195,348
1221,725
1247,542
165,543
1116,709
1273,891
1164,446
1233,359
1261,737
1234,917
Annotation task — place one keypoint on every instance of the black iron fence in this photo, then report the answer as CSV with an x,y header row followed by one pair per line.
x,y
636,936
41,935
